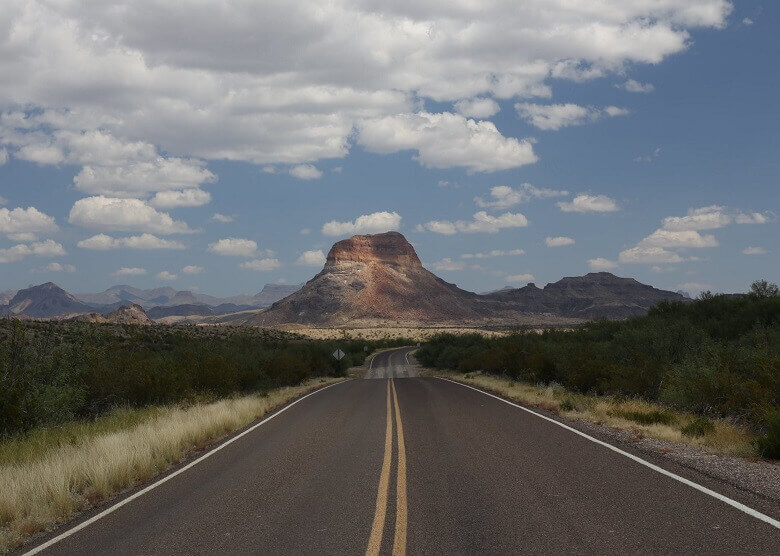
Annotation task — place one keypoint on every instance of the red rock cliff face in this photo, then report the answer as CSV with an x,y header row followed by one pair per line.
x,y
390,248
373,278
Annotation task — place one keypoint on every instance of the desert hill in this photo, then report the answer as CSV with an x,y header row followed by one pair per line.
x,y
372,278
595,295
45,300
127,314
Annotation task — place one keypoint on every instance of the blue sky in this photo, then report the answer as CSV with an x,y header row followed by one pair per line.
x,y
643,142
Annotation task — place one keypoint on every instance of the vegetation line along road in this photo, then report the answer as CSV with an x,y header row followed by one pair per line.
x,y
289,394
382,499
77,474
711,367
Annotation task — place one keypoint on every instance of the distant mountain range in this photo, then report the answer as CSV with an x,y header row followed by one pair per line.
x,y
367,280
49,300
595,295
169,297
379,278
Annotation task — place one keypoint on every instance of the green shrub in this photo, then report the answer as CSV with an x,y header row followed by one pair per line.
x,y
55,372
698,427
567,405
716,356
768,444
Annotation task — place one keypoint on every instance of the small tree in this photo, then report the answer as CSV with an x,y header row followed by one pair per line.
x,y
761,289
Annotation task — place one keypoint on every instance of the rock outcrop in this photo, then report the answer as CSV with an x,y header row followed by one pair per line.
x,y
371,278
595,295
129,314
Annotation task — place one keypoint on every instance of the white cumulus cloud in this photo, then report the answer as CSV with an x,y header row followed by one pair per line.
x,y
315,257
129,271
261,265
59,267
754,251
558,241
493,253
104,242
649,255
681,238
25,221
373,223
504,197
234,247
183,198
634,86
165,275
446,140
477,107
138,178
482,222
222,218
751,218
192,269
589,203
123,215
704,218
555,116
48,248
89,71
306,172
600,263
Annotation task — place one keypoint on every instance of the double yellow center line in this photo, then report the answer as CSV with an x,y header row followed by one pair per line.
x,y
378,526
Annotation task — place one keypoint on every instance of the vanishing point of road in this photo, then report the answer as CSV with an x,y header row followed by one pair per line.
x,y
400,464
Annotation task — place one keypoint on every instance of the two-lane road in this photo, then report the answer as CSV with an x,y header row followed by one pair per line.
x,y
392,363
422,466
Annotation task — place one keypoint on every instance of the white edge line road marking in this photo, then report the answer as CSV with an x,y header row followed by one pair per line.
x,y
738,505
167,478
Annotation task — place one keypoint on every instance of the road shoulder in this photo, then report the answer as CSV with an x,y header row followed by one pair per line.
x,y
754,482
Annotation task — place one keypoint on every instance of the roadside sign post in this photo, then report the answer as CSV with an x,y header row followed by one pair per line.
x,y
338,355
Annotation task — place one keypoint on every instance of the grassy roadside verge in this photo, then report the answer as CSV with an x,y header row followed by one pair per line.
x,y
49,476
642,418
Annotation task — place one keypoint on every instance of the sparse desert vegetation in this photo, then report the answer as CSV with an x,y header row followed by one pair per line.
x,y
643,418
56,372
87,410
715,360
49,475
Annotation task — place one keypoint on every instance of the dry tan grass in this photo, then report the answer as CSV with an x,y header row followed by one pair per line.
x,y
49,489
726,438
418,334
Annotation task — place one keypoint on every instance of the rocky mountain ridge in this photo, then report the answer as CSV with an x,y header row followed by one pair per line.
x,y
119,295
367,280
595,295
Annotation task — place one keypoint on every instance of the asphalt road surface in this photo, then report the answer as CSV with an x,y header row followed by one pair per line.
x,y
422,466
392,363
